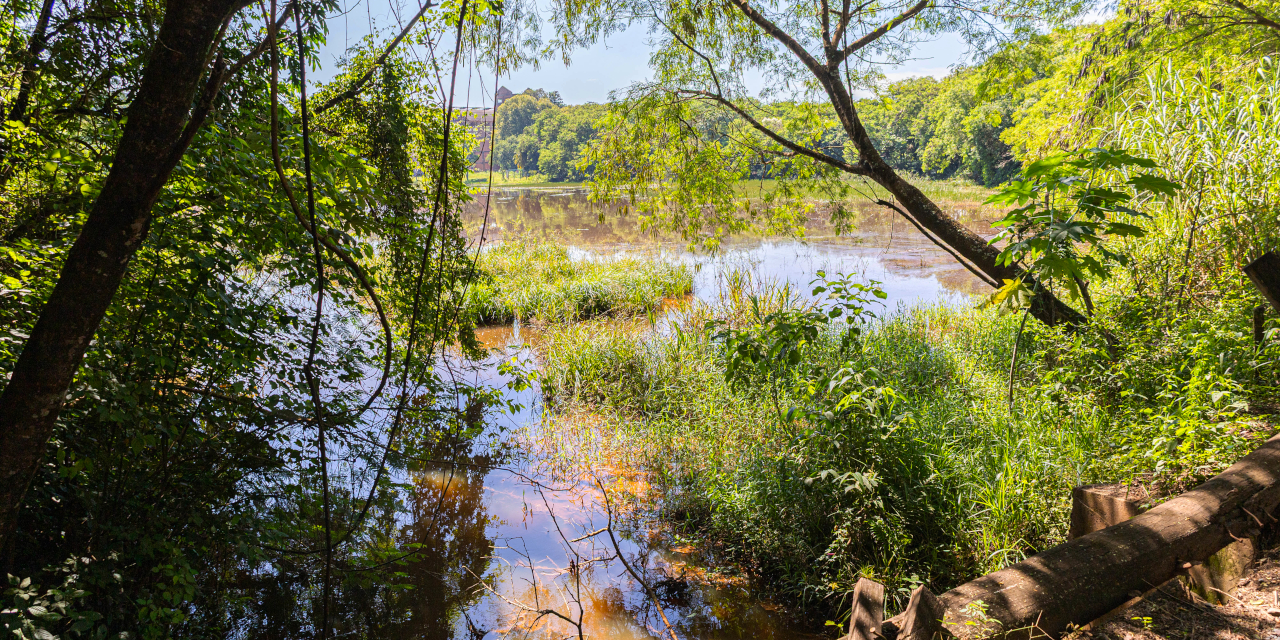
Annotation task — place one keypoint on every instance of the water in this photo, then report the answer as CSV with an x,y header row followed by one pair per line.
x,y
518,545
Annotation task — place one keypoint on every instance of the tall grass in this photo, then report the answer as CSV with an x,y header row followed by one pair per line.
x,y
1218,135
936,478
541,282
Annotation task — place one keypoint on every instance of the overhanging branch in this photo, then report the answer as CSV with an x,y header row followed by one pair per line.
x,y
877,33
356,86
775,136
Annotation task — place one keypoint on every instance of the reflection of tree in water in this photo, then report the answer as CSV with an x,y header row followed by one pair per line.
x,y
411,575
564,216
448,528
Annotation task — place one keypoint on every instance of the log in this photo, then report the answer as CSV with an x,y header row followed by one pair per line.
x,y
1265,274
1074,583
921,620
868,611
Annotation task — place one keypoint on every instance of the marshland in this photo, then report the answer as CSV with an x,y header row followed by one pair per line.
x,y
313,330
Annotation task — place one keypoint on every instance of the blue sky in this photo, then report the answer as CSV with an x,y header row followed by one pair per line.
x,y
592,74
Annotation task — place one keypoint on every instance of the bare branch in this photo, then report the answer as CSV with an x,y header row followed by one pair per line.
x,y
877,33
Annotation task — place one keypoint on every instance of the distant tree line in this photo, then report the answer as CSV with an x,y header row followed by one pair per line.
x,y
538,133
924,126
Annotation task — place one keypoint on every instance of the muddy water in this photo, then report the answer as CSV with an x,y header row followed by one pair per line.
x,y
519,539
882,247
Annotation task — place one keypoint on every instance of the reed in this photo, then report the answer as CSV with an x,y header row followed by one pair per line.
x,y
938,480
540,282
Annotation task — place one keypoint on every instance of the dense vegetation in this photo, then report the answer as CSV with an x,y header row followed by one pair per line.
x,y
933,444
926,127
537,282
537,135
226,296
220,465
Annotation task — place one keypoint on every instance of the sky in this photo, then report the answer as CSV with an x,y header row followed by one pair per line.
x,y
593,73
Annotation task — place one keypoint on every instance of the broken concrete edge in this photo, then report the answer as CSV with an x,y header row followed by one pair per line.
x,y
1075,583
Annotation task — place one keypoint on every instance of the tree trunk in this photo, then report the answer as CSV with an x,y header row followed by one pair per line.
x,y
116,227
1045,306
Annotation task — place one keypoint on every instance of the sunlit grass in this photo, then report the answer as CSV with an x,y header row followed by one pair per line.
x,y
968,483
541,282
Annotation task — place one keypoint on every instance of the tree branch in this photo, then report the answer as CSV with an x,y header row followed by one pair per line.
x,y
778,34
986,279
1259,17
804,151
356,86
710,67
872,36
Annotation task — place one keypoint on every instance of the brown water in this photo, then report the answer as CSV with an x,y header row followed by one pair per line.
x,y
515,532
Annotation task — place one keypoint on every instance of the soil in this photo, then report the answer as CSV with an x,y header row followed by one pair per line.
x,y
1174,612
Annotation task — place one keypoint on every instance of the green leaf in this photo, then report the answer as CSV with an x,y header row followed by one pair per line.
x,y
1154,184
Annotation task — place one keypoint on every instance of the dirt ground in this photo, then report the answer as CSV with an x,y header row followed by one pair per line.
x,y
1174,612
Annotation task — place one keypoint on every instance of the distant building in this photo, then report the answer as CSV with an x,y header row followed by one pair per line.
x,y
479,122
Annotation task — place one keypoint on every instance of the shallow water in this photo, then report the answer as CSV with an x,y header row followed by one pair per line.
x,y
518,545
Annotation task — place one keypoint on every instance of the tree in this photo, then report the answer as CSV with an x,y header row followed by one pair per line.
x,y
159,126
802,50
517,113
121,97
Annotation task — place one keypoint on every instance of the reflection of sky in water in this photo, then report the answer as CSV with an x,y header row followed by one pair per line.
x,y
531,557
530,553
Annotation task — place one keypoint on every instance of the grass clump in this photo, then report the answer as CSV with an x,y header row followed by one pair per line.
x,y
897,454
541,282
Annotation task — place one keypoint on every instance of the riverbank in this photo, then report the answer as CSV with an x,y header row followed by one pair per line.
x,y
896,454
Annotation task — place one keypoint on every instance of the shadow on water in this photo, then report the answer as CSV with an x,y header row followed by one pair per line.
x,y
511,540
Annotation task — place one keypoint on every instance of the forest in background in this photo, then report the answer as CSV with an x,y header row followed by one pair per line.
x,y
225,294
980,122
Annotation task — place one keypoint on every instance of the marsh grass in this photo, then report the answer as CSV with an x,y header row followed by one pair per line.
x,y
935,480
541,282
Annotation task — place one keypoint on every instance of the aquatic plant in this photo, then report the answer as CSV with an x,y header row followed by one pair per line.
x,y
900,457
540,281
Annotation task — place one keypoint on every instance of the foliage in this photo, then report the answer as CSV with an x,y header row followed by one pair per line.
x,y
540,282
32,615
1222,142
184,475
678,163
942,128
903,462
1066,203
773,346
535,134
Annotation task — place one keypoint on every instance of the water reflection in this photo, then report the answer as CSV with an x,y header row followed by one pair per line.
x,y
511,536
449,532
882,246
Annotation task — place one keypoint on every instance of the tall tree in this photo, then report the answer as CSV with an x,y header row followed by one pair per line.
x,y
804,50
160,123
145,78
